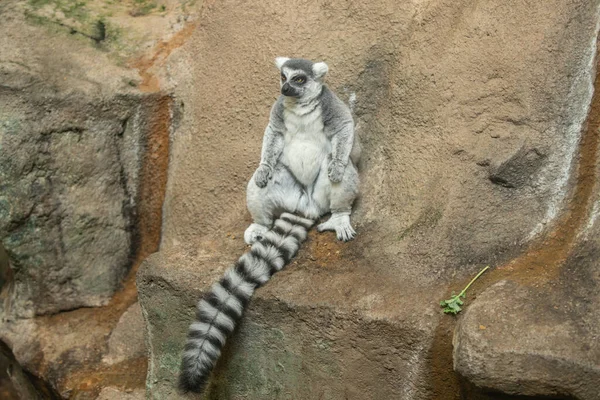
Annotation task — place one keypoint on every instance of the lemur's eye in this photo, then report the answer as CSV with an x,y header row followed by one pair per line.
x,y
299,79
283,78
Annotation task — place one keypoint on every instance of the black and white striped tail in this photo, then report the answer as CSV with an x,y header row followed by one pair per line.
x,y
223,306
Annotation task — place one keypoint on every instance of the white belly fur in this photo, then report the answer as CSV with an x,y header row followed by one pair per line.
x,y
306,145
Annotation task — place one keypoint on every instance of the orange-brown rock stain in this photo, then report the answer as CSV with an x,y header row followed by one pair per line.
x,y
324,250
146,63
87,380
153,176
445,382
131,374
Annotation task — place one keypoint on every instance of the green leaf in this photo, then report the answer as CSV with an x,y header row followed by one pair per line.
x,y
453,304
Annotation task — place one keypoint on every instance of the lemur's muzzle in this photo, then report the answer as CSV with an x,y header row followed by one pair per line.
x,y
288,90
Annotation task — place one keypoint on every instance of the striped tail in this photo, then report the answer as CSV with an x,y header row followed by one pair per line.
x,y
224,305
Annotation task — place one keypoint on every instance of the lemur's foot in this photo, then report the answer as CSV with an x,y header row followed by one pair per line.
x,y
254,232
340,223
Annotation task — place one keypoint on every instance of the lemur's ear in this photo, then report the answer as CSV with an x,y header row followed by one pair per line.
x,y
279,61
320,69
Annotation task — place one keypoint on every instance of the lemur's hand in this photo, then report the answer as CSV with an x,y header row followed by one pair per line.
x,y
336,171
262,175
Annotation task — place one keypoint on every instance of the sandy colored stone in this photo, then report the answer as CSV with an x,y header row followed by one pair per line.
x,y
540,338
126,340
296,336
111,393
469,114
535,342
450,98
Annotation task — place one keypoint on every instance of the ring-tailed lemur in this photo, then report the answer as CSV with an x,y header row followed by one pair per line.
x,y
308,167
309,155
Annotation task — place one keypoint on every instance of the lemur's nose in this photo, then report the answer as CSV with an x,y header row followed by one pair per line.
x,y
285,89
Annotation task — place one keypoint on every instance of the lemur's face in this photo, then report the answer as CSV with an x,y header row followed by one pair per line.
x,y
295,83
300,78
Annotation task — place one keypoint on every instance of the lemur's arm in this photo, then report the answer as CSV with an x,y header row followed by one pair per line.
x,y
272,145
340,126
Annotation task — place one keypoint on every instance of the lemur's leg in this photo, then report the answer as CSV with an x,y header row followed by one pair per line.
x,y
265,204
341,198
320,194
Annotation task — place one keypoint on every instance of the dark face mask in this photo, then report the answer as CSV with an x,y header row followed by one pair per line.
x,y
290,91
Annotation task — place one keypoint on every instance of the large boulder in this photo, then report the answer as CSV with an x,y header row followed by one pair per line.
x,y
83,160
67,207
535,332
77,142
469,114
531,341
318,331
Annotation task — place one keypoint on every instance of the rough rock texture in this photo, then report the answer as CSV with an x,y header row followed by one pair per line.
x,y
15,384
83,163
77,353
68,172
469,113
537,333
127,338
68,209
450,98
110,393
74,137
298,333
530,341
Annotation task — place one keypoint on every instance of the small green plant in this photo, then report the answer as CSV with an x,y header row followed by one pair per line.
x,y
453,304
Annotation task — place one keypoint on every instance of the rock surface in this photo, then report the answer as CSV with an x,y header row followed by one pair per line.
x,y
68,212
78,142
451,98
470,115
535,333
530,341
308,334
83,162
110,393
68,171
127,338
77,353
